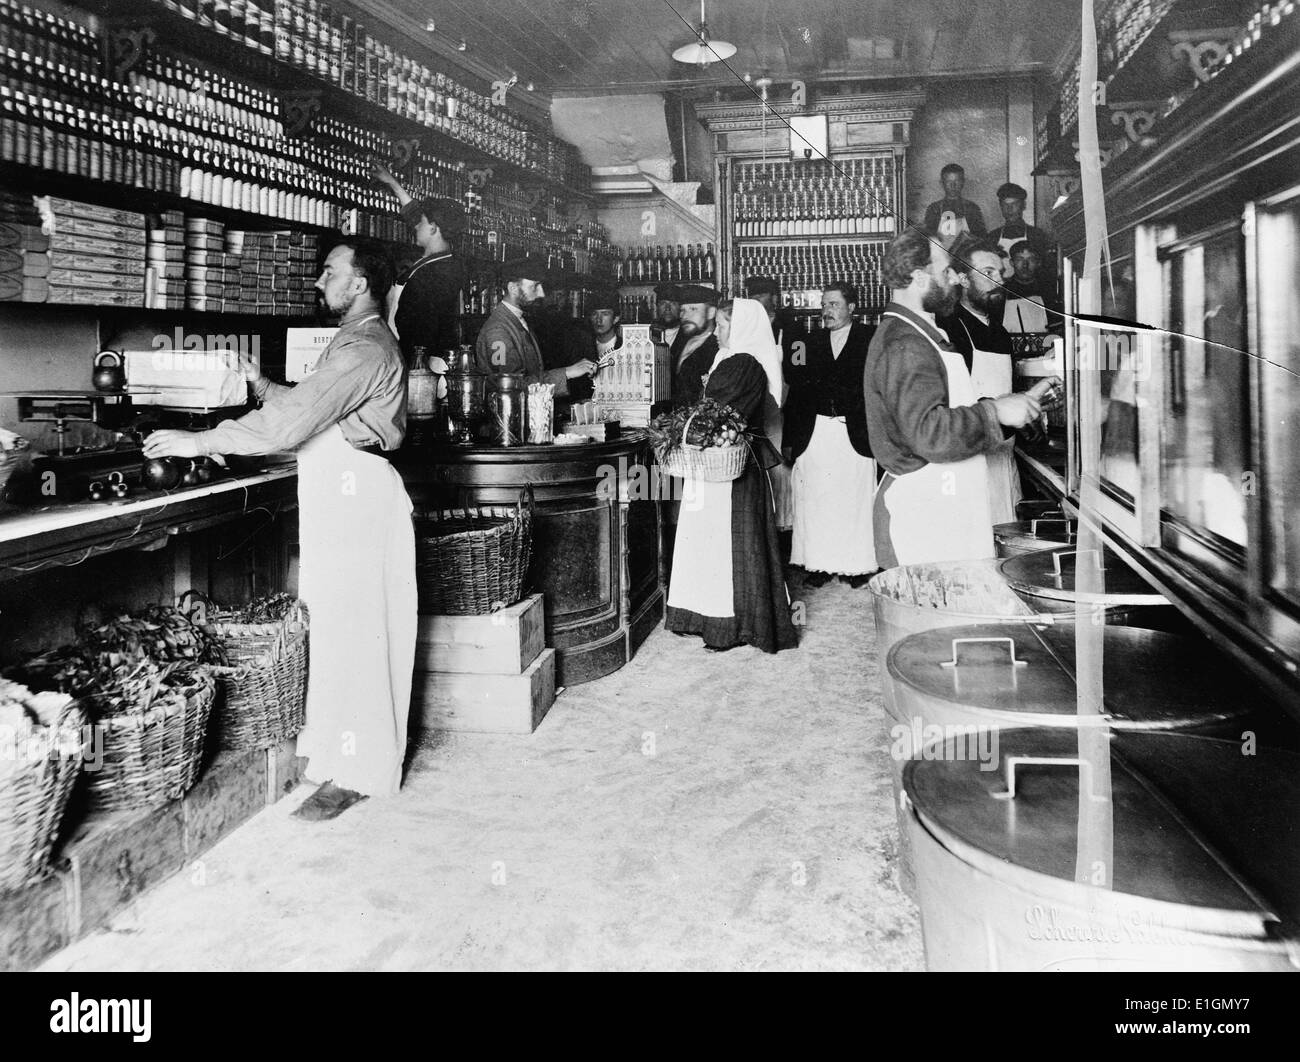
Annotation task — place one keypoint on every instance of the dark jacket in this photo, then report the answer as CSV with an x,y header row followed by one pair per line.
x,y
426,311
505,346
688,385
828,385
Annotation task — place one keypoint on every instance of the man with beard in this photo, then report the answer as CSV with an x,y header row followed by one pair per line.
x,y
357,545
975,329
506,343
668,307
953,216
834,476
927,426
695,347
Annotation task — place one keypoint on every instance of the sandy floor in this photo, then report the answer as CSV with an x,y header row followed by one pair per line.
x,y
693,811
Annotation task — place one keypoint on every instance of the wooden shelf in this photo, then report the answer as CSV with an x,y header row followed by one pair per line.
x,y
175,33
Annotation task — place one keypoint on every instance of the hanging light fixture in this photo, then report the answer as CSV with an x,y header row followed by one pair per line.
x,y
703,51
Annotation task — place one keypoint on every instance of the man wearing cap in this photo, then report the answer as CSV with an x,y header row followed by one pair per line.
x,y
424,305
696,346
668,307
506,343
1011,201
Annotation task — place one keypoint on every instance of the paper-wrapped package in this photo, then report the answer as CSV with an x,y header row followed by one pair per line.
x,y
541,412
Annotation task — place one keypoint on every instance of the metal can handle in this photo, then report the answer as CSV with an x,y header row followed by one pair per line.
x,y
1076,553
1011,651
1050,525
117,358
1012,762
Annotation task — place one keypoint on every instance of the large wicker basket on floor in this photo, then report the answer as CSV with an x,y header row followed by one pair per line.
x,y
469,562
262,695
34,795
153,754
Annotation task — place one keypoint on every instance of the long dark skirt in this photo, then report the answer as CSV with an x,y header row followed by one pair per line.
x,y
761,606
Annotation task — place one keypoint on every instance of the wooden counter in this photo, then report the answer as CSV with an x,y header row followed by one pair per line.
x,y
33,538
596,539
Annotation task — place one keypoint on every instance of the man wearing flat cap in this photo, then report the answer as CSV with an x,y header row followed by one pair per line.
x,y
1011,201
696,346
506,343
424,305
668,308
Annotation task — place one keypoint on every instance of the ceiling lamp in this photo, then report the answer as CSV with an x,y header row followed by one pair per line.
x,y
703,51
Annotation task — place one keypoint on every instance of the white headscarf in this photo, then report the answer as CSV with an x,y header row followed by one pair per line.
x,y
751,333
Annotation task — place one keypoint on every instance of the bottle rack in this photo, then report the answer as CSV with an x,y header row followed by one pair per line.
x,y
173,132
807,224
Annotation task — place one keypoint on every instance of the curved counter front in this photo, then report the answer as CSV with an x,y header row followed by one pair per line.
x,y
596,544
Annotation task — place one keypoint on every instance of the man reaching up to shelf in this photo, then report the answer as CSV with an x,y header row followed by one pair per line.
x,y
424,305
357,544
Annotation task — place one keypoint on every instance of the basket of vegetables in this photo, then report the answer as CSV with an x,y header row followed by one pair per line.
x,y
147,681
263,690
14,451
705,441
41,751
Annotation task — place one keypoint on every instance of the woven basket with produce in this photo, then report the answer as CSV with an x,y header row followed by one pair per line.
x,y
147,681
469,562
14,450
263,690
705,441
41,749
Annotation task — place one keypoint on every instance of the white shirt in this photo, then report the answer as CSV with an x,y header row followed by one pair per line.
x,y
839,337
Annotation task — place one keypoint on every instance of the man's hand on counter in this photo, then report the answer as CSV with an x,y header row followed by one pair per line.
x,y
171,443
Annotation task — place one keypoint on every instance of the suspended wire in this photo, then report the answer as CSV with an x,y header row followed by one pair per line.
x,y
901,223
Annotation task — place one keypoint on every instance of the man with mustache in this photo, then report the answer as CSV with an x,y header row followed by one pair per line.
x,y
928,428
506,343
975,329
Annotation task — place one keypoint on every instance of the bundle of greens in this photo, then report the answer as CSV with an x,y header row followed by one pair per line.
x,y
710,424
122,665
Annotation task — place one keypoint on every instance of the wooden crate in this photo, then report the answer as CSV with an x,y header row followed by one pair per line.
x,y
485,704
503,643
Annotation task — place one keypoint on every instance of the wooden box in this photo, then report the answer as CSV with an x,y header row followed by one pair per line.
x,y
485,704
503,643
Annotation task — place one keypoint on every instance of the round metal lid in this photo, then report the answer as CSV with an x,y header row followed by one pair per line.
x,y
1052,573
1151,680
1025,815
1045,530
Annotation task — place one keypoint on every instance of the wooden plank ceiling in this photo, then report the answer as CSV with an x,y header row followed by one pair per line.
x,y
627,45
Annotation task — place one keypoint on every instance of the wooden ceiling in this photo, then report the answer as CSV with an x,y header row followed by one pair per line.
x,y
627,45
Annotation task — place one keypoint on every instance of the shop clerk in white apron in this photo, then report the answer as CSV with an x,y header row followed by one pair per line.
x,y
357,545
975,330
927,426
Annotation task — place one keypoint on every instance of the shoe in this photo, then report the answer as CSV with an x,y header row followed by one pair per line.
x,y
816,578
859,581
719,648
328,802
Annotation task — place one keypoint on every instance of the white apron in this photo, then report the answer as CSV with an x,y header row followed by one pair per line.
x,y
701,577
832,485
990,375
940,512
357,577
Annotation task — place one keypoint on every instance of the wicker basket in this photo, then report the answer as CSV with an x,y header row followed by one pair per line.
x,y
153,755
262,697
469,562
34,794
714,464
10,460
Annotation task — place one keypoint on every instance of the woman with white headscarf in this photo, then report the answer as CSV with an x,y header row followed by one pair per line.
x,y
728,582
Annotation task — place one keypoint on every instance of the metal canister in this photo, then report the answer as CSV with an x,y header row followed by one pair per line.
x,y
1189,846
1028,536
986,677
1048,580
507,416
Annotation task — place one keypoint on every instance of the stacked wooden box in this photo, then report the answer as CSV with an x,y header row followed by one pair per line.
x,y
491,674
